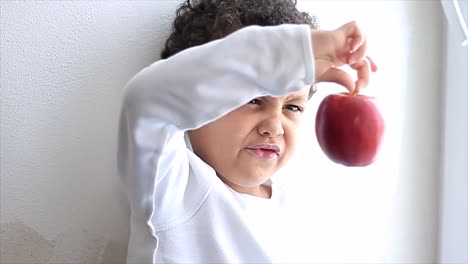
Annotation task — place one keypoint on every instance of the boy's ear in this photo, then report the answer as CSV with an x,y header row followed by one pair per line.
x,y
312,90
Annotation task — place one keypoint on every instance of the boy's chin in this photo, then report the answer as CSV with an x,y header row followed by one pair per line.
x,y
246,180
255,180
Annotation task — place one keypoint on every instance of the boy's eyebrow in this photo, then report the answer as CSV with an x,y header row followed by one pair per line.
x,y
297,97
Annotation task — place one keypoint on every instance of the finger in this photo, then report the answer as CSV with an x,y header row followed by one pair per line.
x,y
353,34
363,72
373,66
338,76
358,54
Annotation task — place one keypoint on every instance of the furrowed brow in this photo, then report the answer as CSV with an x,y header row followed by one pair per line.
x,y
297,97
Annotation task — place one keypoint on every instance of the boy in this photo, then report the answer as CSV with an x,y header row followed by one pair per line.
x,y
202,131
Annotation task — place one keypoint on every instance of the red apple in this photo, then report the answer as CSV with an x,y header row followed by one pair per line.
x,y
349,128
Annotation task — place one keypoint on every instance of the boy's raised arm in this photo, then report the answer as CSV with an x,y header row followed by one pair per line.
x,y
203,83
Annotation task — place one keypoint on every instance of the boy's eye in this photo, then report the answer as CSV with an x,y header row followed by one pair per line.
x,y
294,108
254,101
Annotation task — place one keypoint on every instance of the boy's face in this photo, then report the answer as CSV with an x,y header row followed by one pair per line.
x,y
249,144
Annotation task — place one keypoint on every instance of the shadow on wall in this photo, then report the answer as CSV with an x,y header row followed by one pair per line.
x,y
22,244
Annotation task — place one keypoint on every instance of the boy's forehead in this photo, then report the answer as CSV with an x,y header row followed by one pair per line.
x,y
302,94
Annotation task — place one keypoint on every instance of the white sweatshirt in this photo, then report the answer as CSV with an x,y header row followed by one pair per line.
x,y
181,212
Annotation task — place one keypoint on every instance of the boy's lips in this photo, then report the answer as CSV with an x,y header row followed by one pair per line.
x,y
264,151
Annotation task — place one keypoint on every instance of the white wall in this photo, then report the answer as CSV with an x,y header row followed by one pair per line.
x,y
453,243
63,65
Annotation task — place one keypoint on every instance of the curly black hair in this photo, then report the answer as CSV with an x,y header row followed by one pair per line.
x,y
206,20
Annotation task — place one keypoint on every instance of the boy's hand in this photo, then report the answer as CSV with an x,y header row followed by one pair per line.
x,y
343,46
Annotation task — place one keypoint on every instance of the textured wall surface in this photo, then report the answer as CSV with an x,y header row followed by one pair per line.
x,y
63,67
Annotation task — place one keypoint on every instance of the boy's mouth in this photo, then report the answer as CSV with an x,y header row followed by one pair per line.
x,y
264,151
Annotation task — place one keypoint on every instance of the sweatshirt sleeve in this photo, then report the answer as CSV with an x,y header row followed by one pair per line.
x,y
190,89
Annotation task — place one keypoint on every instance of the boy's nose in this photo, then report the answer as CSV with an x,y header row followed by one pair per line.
x,y
271,127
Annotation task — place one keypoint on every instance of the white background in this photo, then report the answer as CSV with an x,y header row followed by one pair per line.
x,y
64,64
